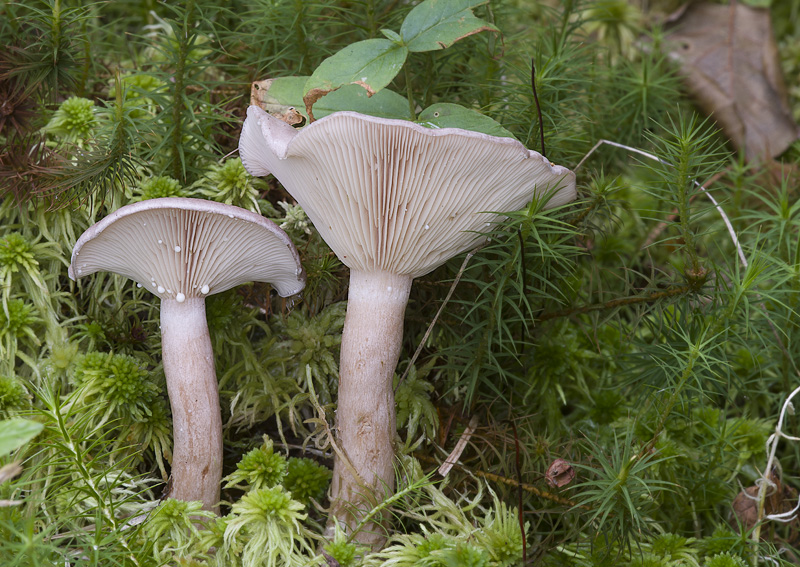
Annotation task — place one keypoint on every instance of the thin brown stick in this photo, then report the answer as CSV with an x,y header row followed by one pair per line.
x,y
538,108
455,454
510,482
655,296
436,317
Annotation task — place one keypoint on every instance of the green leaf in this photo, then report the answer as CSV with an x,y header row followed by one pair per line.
x,y
437,24
447,115
14,433
393,35
384,104
287,92
372,64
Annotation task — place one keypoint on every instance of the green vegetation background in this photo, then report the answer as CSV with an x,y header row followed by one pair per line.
x,y
622,333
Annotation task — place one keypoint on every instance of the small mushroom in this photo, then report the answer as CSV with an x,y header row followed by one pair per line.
x,y
393,200
183,250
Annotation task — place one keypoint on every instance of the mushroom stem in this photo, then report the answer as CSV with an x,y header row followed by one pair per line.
x,y
365,416
192,386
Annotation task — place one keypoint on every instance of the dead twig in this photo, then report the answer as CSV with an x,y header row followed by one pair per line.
x,y
510,482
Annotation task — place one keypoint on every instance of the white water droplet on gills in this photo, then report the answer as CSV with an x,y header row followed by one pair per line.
x,y
204,290
160,289
180,298
177,249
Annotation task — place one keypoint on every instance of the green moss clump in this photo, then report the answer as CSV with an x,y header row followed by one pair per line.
x,y
19,320
16,253
14,397
73,121
117,382
259,468
158,187
725,560
306,479
230,183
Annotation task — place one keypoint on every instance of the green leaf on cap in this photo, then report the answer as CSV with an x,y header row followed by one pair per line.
x,y
447,115
383,104
371,64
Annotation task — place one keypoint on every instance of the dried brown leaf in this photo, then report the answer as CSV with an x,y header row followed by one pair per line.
x,y
780,499
559,473
730,61
330,560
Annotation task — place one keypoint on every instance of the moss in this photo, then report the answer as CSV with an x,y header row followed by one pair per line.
x,y
230,183
265,525
306,479
118,383
74,120
14,398
158,187
259,468
725,560
16,253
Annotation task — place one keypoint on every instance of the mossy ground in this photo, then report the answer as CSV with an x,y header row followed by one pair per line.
x,y
624,333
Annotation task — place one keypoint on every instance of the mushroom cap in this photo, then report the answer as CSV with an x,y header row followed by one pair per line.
x,y
391,195
180,248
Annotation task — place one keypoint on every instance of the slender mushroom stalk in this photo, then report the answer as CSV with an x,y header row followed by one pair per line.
x,y
183,250
365,413
393,200
194,399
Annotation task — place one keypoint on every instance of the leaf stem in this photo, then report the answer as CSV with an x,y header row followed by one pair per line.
x,y
411,106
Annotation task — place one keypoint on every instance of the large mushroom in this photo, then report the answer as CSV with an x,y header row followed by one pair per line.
x,y
183,250
393,200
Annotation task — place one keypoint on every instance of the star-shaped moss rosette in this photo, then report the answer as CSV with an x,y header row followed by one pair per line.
x,y
393,200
